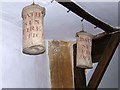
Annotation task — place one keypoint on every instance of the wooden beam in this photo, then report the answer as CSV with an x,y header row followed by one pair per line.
x,y
61,70
104,61
78,10
79,73
99,44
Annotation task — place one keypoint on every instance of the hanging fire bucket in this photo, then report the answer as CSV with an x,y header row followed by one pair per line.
x,y
33,36
84,44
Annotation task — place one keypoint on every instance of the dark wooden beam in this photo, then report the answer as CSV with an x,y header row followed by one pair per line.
x,y
99,43
78,10
104,61
79,73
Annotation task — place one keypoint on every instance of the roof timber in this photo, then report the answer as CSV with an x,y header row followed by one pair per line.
x,y
78,10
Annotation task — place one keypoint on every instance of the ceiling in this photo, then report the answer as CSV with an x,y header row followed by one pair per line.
x,y
58,24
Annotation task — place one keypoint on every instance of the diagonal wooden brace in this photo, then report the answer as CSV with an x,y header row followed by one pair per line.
x,y
104,60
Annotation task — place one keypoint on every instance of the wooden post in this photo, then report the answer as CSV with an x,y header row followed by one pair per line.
x,y
79,73
61,69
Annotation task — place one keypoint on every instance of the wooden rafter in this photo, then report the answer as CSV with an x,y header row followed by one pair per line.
x,y
85,15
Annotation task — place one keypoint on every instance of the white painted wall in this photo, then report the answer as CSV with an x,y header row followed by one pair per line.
x,y
0,48
19,70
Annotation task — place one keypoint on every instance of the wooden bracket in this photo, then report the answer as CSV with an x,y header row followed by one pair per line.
x,y
104,60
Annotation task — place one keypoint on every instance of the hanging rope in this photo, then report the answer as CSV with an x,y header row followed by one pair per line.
x,y
82,27
33,2
82,24
52,1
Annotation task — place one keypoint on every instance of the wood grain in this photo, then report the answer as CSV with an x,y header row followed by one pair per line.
x,y
78,10
60,64
104,60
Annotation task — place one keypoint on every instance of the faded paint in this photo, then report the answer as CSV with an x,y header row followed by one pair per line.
x,y
60,64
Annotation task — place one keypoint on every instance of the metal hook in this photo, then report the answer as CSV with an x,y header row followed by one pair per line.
x,y
52,1
33,2
95,27
82,20
68,11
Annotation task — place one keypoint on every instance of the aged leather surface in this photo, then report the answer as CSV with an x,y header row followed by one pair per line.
x,y
60,64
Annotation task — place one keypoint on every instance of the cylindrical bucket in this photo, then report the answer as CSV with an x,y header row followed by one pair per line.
x,y
84,44
33,36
